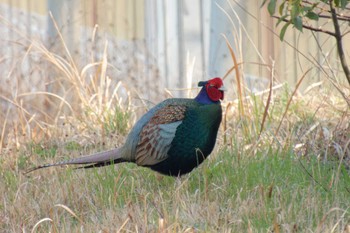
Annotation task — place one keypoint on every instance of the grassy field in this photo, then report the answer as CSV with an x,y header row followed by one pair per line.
x,y
270,191
294,181
281,162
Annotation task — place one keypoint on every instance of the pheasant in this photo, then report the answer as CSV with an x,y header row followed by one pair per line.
x,y
172,138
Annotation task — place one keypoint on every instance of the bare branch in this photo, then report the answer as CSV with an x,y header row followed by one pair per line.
x,y
308,27
341,18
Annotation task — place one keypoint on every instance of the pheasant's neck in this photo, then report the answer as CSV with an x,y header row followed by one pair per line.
x,y
203,97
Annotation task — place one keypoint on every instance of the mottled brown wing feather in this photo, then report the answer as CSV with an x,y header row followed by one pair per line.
x,y
156,136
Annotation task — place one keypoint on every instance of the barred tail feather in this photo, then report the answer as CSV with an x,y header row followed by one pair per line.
x,y
95,160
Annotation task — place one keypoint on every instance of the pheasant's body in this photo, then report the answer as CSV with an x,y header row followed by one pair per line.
x,y
172,138
194,138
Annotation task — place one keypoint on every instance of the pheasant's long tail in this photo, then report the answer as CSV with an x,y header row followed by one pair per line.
x,y
96,160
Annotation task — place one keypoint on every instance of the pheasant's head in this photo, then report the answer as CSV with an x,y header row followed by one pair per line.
x,y
214,89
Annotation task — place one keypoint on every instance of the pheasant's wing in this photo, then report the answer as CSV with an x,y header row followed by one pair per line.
x,y
156,136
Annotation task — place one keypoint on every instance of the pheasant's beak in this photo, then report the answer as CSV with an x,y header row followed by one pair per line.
x,y
202,83
222,89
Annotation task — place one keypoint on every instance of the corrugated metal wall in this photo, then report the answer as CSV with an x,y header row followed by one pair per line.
x,y
176,43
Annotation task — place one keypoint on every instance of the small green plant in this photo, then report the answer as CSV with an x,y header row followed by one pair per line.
x,y
72,146
22,161
43,151
116,121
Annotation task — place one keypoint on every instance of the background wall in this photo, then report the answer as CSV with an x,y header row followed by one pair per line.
x,y
175,43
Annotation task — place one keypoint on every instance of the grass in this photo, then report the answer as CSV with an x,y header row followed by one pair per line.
x,y
281,162
265,192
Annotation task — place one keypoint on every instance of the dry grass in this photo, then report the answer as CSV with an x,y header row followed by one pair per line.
x,y
280,164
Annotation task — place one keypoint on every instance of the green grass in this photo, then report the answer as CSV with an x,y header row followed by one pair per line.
x,y
284,178
117,121
260,193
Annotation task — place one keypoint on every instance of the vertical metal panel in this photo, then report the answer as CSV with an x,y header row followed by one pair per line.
x,y
170,30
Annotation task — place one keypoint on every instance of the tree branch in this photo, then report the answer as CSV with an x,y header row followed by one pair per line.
x,y
338,37
312,3
341,18
309,27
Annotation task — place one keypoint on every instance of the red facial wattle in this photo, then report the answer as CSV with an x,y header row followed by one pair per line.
x,y
213,91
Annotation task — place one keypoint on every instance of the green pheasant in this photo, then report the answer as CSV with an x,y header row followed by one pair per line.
x,y
172,138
